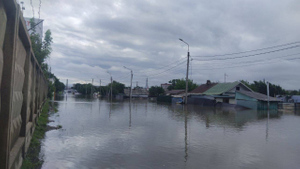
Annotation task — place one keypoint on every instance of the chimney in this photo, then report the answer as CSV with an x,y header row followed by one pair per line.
x,y
208,82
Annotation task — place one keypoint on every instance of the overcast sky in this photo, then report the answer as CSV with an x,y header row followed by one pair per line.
x,y
92,37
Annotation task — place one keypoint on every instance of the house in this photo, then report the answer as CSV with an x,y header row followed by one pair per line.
x,y
136,92
295,99
165,86
256,101
202,88
225,92
197,97
174,92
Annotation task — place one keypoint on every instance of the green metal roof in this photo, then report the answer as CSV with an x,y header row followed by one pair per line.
x,y
221,88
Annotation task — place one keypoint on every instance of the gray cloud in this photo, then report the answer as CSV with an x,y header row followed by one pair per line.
x,y
94,36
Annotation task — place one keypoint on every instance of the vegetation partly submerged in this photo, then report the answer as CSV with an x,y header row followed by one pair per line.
x,y
32,158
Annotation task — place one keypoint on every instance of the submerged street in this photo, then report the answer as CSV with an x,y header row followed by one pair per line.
x,y
144,134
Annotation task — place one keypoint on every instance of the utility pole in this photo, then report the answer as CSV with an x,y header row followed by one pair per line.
x,y
130,82
67,84
111,81
86,88
100,87
225,75
147,84
92,92
187,70
268,95
137,83
110,86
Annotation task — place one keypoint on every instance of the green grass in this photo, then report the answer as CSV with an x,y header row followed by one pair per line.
x,y
32,159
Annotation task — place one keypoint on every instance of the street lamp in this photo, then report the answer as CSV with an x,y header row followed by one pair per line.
x,y
130,81
187,70
110,85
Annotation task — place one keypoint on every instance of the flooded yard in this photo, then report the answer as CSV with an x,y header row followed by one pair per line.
x,y
144,134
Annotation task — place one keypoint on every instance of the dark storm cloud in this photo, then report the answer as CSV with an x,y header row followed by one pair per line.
x,y
94,37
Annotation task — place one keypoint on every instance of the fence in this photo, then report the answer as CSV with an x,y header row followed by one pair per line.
x,y
23,87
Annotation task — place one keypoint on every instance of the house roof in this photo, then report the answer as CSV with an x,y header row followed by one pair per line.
x,y
202,88
258,96
172,92
221,88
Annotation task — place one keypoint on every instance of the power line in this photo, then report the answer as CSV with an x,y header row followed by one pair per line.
x,y
287,44
163,67
238,57
167,69
253,63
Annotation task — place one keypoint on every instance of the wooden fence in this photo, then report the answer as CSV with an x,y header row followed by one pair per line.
x,y
23,86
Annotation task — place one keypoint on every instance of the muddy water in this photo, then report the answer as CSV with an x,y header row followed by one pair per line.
x,y
144,134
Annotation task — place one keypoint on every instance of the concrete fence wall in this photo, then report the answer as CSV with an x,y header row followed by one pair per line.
x,y
23,86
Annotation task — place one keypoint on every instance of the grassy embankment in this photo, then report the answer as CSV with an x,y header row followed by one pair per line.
x,y
32,159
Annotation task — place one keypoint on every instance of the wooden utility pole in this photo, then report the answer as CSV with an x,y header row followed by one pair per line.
x,y
100,87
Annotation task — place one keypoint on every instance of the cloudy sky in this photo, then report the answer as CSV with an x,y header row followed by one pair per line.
x,y
250,40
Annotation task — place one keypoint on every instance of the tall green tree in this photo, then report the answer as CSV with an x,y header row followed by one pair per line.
x,y
42,50
180,84
155,91
261,87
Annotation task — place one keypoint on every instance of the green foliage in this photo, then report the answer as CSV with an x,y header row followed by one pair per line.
x,y
117,87
32,159
180,84
83,88
261,87
42,51
155,91
87,88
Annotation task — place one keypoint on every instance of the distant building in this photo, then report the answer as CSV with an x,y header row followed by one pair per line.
x,y
165,86
295,99
136,92
38,27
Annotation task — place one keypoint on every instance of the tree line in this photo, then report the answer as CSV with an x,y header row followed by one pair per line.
x,y
261,87
42,50
117,88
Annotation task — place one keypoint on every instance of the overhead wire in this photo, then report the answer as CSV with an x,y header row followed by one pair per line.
x,y
253,63
256,54
167,69
255,50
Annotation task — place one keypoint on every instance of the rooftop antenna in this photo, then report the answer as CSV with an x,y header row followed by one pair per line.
x,y
225,75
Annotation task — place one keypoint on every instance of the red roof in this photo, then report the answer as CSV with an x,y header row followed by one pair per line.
x,y
202,88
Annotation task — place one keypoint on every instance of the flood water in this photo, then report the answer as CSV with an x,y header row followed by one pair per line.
x,y
144,134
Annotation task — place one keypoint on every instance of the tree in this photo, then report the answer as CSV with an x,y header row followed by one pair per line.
x,y
156,91
261,87
181,83
42,51
117,87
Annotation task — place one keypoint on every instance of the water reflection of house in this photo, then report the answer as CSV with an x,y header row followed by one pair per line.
x,y
136,92
256,101
225,92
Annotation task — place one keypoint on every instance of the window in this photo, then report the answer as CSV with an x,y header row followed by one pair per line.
x,y
237,88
